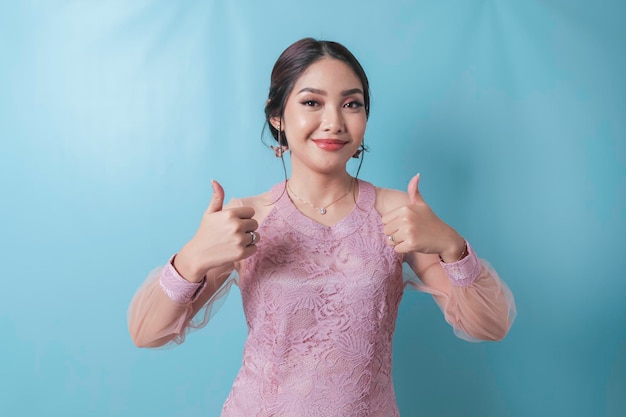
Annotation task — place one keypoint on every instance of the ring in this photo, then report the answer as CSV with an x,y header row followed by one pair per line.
x,y
390,237
253,241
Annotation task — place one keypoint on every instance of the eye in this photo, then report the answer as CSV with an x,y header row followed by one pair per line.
x,y
353,105
309,103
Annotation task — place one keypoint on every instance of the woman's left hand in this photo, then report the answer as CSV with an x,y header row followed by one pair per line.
x,y
416,228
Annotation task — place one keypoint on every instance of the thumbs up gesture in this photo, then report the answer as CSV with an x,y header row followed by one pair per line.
x,y
225,235
414,227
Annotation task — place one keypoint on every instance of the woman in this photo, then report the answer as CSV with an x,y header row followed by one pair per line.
x,y
319,259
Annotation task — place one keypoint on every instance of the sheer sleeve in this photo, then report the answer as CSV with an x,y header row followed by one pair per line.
x,y
474,300
155,319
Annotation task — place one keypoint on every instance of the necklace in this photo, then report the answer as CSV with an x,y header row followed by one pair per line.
x,y
320,210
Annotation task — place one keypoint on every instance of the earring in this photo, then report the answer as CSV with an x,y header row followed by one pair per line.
x,y
357,154
279,150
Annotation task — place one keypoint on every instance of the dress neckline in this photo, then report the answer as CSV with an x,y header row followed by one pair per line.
x,y
295,219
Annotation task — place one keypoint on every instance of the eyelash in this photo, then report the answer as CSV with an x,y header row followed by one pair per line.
x,y
351,105
354,105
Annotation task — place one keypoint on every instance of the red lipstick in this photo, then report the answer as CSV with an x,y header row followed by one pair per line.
x,y
330,144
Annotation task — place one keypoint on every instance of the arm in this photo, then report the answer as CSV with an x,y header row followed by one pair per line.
x,y
473,298
155,319
164,306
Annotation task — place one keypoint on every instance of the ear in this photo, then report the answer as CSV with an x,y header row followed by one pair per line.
x,y
276,122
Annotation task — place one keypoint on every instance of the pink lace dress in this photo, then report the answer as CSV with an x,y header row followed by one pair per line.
x,y
321,305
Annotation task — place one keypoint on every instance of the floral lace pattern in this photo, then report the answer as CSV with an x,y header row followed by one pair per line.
x,y
176,287
321,305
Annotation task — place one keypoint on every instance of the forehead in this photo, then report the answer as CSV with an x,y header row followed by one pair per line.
x,y
328,74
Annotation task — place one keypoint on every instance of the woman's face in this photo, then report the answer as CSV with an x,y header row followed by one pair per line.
x,y
324,119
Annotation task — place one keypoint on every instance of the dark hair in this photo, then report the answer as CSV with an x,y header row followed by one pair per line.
x,y
293,62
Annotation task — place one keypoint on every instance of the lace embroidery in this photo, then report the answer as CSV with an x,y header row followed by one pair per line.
x,y
321,305
178,288
464,272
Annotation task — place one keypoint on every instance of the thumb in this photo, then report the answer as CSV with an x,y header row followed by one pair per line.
x,y
217,199
413,190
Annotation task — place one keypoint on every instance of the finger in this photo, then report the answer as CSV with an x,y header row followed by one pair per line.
x,y
390,228
391,240
402,248
390,216
413,190
217,199
248,225
243,212
253,240
248,251
394,215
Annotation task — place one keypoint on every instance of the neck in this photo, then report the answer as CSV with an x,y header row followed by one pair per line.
x,y
320,189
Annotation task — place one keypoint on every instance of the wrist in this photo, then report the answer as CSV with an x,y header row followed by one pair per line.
x,y
177,288
186,268
455,251
465,271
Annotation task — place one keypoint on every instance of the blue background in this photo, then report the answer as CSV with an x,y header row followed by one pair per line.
x,y
115,116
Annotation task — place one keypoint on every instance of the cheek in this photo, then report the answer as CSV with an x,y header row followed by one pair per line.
x,y
294,114
358,126
304,123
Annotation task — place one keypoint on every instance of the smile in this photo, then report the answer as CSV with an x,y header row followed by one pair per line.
x,y
330,144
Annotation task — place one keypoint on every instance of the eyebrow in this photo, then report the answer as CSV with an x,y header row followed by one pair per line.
x,y
323,93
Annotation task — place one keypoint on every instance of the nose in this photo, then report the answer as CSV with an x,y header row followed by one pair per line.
x,y
333,120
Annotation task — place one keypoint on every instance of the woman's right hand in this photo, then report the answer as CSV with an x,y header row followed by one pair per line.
x,y
223,237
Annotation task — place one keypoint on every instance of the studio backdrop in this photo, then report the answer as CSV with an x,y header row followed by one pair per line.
x,y
116,115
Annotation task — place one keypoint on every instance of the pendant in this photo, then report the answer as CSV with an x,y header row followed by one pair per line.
x,y
322,211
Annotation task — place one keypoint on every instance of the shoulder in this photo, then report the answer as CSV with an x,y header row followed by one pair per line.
x,y
388,199
261,203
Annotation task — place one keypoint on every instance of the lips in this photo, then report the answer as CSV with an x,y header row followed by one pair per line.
x,y
330,144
